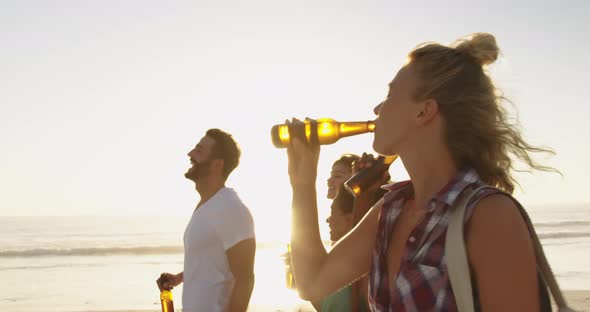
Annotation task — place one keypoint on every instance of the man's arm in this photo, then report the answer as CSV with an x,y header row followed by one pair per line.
x,y
241,263
179,278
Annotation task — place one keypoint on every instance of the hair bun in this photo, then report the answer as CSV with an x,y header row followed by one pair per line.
x,y
481,47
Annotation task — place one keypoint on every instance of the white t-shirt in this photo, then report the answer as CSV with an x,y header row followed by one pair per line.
x,y
216,226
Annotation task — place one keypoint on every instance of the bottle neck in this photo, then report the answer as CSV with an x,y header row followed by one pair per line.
x,y
350,128
387,160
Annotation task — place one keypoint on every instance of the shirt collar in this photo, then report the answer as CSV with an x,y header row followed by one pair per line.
x,y
447,195
453,189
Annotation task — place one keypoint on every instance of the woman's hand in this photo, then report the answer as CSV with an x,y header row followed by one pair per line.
x,y
303,157
368,161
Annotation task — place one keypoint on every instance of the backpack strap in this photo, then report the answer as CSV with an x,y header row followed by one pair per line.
x,y
456,253
458,265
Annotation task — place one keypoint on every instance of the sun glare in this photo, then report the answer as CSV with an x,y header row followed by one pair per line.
x,y
271,286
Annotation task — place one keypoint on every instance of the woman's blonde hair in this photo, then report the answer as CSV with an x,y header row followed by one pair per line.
x,y
477,129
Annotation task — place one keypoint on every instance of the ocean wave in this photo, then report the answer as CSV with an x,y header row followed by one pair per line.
x,y
45,267
43,252
170,250
561,224
78,265
107,251
555,235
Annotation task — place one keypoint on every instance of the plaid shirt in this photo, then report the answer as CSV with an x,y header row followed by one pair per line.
x,y
422,283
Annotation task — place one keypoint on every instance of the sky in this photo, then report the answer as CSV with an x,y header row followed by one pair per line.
x,y
101,100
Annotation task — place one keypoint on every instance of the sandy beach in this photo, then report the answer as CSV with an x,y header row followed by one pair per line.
x,y
579,300
102,279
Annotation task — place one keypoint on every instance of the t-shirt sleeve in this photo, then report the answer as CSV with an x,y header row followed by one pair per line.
x,y
237,228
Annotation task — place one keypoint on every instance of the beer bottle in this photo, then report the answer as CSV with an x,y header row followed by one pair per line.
x,y
363,179
166,300
321,131
289,278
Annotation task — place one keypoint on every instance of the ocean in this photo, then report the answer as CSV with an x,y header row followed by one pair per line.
x,y
71,264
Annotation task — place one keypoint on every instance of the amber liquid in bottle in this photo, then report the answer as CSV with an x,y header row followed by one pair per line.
x,y
166,300
289,277
365,178
322,131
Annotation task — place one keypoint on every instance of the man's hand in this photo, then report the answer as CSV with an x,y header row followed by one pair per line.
x,y
168,281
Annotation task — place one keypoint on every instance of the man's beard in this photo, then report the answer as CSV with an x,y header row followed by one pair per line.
x,y
199,170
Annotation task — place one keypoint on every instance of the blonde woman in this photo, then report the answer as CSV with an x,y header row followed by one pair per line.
x,y
443,117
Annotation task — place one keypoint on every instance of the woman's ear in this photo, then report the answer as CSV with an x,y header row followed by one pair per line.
x,y
428,110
